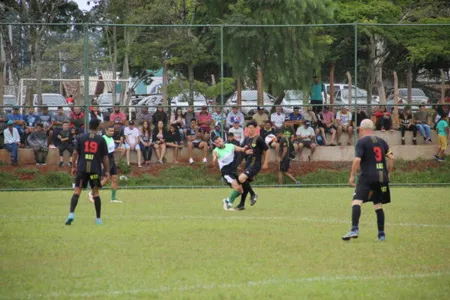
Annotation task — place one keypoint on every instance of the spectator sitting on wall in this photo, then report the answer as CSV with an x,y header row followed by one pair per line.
x,y
306,137
343,120
278,117
39,143
194,138
422,123
407,123
237,130
219,116
295,118
260,117
179,121
30,120
117,115
131,134
46,119
96,114
189,115
383,119
143,115
12,141
17,118
160,115
77,119
204,122
173,140
235,114
159,141
358,117
58,120
65,143
326,121
146,139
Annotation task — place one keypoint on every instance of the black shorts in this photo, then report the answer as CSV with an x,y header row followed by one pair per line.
x,y
328,129
63,147
306,144
229,178
252,170
285,164
82,179
375,192
196,144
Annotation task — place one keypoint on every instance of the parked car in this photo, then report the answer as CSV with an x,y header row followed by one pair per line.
x,y
291,98
249,102
181,100
105,102
341,97
417,97
150,101
8,102
53,101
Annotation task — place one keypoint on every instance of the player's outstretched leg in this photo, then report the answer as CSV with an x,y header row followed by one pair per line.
x,y
356,214
73,205
98,206
380,222
245,187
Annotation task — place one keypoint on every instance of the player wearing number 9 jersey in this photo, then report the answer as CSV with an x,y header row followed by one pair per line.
x,y
89,154
373,185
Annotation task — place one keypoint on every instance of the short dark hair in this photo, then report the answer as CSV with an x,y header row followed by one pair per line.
x,y
252,123
66,122
93,124
230,134
216,137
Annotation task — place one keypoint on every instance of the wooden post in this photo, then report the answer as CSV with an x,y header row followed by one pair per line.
x,y
350,90
239,92
2,64
165,83
332,83
259,84
395,118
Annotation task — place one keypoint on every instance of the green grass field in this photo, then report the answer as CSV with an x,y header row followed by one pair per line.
x,y
181,244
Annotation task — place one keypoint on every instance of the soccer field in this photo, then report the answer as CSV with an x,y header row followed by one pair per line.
x,y
181,244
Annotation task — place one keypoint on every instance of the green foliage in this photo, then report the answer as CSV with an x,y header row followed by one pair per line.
x,y
27,171
123,166
54,180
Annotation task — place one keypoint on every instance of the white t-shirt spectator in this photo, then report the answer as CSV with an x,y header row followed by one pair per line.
x,y
131,135
277,119
302,131
345,118
238,134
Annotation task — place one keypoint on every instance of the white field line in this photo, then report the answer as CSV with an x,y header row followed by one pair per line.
x,y
220,218
248,284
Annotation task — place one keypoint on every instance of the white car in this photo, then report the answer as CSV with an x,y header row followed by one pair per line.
x,y
105,102
249,102
181,101
341,97
8,102
150,101
292,98
53,101
417,97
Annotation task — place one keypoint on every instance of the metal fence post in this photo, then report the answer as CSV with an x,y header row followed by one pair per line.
x,y
355,106
86,75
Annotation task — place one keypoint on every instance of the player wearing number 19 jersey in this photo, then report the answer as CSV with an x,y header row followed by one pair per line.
x,y
89,154
373,184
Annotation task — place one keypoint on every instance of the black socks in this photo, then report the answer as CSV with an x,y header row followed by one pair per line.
x,y
98,206
380,219
74,202
356,213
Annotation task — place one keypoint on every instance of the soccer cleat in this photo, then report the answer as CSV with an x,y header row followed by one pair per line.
x,y
440,159
70,219
191,161
240,207
61,164
205,160
350,235
116,201
227,205
98,221
253,199
297,182
381,236
91,197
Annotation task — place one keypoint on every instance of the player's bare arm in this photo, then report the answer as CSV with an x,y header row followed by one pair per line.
x,y
355,168
390,163
106,166
74,162
266,160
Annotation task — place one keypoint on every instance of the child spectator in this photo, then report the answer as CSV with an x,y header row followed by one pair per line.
x,y
159,141
65,143
383,119
343,119
173,141
194,138
146,142
189,115
407,123
39,143
131,134
443,136
237,131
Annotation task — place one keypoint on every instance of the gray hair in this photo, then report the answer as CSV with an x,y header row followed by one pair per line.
x,y
367,124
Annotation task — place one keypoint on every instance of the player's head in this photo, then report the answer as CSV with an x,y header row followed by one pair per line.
x,y
366,127
110,131
251,127
218,141
93,124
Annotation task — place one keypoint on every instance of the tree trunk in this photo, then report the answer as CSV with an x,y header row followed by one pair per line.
x,y
395,118
114,66
2,65
259,86
12,57
165,82
378,46
332,83
409,82
442,86
38,72
191,83
124,95
239,92
350,90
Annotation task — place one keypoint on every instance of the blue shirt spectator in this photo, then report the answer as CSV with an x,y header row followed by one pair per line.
x,y
17,119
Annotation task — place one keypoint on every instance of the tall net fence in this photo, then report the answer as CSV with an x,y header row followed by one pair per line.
x,y
323,79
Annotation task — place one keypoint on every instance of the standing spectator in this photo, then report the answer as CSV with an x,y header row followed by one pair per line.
x,y
443,136
65,138
58,120
17,118
318,94
343,120
422,123
194,138
178,120
117,115
189,115
383,119
160,115
278,117
30,120
237,131
143,115
234,114
131,134
295,118
96,114
285,160
70,100
12,141
204,122
358,117
407,123
77,119
146,142
219,116
39,143
46,119
159,141
173,141
260,117
306,136
326,121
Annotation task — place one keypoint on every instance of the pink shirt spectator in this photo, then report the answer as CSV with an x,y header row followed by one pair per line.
x,y
204,121
257,130
118,116
327,116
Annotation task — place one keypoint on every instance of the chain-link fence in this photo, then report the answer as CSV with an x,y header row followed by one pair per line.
x,y
332,76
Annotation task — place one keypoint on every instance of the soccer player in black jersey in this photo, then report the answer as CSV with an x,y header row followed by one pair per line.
x,y
89,154
254,162
373,184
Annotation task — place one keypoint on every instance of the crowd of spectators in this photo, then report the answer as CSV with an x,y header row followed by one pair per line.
x,y
156,132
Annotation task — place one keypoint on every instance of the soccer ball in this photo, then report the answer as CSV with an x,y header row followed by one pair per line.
x,y
123,177
270,138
